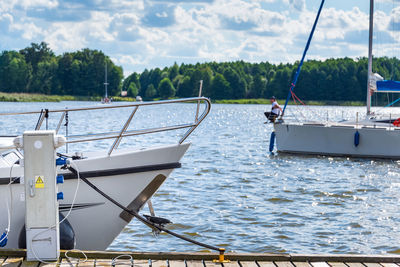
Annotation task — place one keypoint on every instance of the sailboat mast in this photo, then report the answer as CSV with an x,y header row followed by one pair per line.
x,y
371,30
105,81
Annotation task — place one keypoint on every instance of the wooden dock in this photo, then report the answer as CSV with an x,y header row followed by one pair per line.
x,y
16,258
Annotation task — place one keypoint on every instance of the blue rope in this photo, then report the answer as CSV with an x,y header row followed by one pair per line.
x,y
304,55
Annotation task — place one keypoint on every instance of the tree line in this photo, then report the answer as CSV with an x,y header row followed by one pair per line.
x,y
36,69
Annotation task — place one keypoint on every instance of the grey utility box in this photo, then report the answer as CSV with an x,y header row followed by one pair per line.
x,y
41,217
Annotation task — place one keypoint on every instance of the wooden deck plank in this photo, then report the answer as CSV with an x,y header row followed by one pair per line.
x,y
13,262
372,264
265,263
103,262
389,264
248,264
301,264
320,264
29,264
49,264
159,263
231,264
86,263
213,264
65,263
141,263
194,264
337,264
283,264
176,263
355,264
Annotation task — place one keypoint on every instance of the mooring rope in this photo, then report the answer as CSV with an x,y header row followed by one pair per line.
x,y
141,218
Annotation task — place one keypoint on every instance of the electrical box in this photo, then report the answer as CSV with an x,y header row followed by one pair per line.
x,y
41,214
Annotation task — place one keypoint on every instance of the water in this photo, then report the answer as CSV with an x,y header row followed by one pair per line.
x,y
231,192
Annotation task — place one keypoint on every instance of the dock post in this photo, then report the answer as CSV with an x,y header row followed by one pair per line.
x,y
41,206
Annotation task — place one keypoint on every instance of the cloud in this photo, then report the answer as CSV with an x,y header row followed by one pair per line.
x,y
76,15
298,4
156,33
5,21
394,24
159,15
237,24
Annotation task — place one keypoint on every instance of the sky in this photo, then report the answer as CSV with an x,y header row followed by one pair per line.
x,y
144,34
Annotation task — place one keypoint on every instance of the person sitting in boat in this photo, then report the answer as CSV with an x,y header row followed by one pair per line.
x,y
275,110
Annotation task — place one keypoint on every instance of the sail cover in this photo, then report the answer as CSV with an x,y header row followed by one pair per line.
x,y
388,86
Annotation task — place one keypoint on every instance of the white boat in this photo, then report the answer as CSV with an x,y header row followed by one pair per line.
x,y
129,176
373,136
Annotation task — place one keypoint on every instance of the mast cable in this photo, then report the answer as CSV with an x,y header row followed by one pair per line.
x,y
304,55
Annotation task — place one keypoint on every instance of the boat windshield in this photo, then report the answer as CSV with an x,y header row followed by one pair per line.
x,y
9,157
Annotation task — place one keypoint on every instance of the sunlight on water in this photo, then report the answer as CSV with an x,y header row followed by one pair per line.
x,y
232,192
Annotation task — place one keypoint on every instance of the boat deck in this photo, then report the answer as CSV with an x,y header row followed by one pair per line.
x,y
16,258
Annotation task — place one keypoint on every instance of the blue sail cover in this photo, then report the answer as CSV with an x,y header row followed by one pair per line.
x,y
388,86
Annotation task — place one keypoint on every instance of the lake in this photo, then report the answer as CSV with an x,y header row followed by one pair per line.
x,y
231,192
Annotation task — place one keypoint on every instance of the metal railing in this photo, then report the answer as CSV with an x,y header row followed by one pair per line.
x,y
124,132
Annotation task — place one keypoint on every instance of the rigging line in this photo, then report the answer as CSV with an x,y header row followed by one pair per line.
x,y
304,55
141,218
394,102
294,96
298,99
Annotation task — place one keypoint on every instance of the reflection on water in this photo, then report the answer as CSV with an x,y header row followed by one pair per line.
x,y
232,192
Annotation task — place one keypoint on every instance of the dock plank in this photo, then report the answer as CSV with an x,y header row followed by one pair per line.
x,y
231,264
320,264
248,264
337,264
193,263
176,263
212,264
141,263
283,264
265,264
103,262
29,264
159,263
49,264
301,264
65,263
355,264
389,264
13,262
372,264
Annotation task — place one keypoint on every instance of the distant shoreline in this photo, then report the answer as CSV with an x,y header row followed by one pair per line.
x,y
263,101
23,97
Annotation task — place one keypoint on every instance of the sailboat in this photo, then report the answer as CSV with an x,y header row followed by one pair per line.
x,y
130,175
105,100
370,137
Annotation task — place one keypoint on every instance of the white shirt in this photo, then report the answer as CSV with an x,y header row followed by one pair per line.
x,y
275,108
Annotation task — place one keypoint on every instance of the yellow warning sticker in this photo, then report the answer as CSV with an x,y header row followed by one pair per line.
x,y
39,181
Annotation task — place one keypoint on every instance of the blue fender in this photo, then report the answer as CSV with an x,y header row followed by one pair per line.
x,y
356,139
272,142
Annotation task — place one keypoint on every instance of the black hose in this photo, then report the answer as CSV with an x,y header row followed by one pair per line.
x,y
141,218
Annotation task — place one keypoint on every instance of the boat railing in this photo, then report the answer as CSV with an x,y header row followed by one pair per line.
x,y
44,114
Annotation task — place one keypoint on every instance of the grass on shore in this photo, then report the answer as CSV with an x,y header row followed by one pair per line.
x,y
23,97
264,101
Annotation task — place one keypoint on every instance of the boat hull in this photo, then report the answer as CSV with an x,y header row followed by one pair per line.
x,y
131,178
338,140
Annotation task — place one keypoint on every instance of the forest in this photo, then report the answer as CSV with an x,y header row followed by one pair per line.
x,y
36,69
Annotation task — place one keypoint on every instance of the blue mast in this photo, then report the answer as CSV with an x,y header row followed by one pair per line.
x,y
302,59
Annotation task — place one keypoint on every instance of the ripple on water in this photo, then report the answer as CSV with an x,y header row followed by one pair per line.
x,y
231,192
